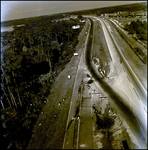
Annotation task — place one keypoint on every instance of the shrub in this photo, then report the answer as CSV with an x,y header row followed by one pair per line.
x,y
90,81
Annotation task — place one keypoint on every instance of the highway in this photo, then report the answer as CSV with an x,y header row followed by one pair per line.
x,y
140,89
121,92
71,139
128,104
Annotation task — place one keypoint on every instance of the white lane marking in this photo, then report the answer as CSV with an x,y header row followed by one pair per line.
x,y
81,56
71,103
123,57
138,122
123,68
145,109
136,93
129,79
127,62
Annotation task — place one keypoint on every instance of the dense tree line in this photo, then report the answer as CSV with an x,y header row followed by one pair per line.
x,y
33,54
138,27
114,9
23,21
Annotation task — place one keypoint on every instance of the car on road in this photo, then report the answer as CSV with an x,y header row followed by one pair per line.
x,y
76,54
69,77
78,117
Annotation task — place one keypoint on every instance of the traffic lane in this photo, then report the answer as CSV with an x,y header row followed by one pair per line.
x,y
96,18
90,59
124,109
129,69
133,78
74,104
138,67
140,95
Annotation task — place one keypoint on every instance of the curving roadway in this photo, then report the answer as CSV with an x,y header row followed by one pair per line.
x,y
132,115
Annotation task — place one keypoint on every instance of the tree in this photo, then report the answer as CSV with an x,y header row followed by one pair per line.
x,y
80,16
55,48
35,35
28,34
48,54
131,29
145,25
55,31
10,94
12,69
48,33
40,50
16,88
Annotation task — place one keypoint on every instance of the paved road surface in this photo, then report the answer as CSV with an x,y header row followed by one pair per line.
x,y
71,138
115,88
138,86
136,119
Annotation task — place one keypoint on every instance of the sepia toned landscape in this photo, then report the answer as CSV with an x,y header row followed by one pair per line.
x,y
75,80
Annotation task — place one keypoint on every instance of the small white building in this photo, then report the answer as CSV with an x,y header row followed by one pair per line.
x,y
76,27
69,77
24,48
82,20
75,54
73,16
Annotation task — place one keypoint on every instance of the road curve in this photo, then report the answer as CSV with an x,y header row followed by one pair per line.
x,y
138,129
140,89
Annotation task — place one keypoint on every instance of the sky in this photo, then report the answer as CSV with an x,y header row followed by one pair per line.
x,y
11,10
